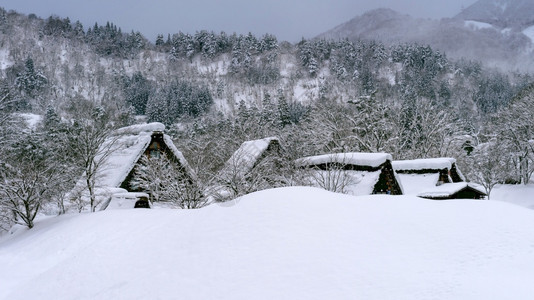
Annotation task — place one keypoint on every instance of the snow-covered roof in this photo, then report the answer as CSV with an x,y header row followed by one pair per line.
x,y
244,159
128,145
373,160
424,164
413,184
140,128
125,200
354,181
449,189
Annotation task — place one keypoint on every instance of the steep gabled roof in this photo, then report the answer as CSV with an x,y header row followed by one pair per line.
x,y
128,144
247,156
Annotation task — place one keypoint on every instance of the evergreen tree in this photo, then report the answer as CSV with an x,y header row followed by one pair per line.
x,y
137,91
159,40
31,81
283,109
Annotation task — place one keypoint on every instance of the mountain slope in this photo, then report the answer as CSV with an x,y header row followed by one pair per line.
x,y
455,37
517,14
291,243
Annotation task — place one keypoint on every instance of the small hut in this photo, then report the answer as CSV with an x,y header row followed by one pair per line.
x,y
129,145
420,174
353,173
435,178
459,190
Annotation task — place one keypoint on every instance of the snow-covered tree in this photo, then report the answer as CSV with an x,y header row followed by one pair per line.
x,y
91,143
30,178
488,165
31,80
515,125
137,91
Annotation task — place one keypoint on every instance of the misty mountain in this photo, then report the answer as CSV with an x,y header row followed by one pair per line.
x,y
458,38
518,14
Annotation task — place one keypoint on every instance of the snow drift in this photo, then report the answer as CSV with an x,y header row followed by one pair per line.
x,y
290,243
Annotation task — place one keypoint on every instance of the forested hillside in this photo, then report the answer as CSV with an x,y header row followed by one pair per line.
x,y
503,40
216,90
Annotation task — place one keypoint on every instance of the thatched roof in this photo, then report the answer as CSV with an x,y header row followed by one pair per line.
x,y
128,145
424,164
247,156
448,190
373,160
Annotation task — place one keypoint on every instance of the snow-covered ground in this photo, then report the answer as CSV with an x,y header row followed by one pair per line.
x,y
522,195
5,62
290,243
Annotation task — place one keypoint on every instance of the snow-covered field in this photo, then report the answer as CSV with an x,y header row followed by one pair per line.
x,y
522,195
290,243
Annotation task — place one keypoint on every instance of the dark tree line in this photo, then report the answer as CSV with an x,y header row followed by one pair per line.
x,y
177,100
107,40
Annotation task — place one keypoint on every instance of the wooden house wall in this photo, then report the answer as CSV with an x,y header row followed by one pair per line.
x,y
454,174
387,182
468,193
157,146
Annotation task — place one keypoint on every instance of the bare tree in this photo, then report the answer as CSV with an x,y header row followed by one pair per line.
x,y
92,142
166,181
488,165
333,178
515,125
240,176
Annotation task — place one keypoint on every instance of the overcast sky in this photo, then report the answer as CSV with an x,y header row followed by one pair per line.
x,y
288,19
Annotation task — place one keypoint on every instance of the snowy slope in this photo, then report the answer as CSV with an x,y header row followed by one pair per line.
x,y
291,243
478,25
522,195
529,32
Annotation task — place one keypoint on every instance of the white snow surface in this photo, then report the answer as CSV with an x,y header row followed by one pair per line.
x,y
424,164
522,195
290,243
351,158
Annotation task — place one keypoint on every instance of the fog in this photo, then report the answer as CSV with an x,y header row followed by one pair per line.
x,y
287,19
